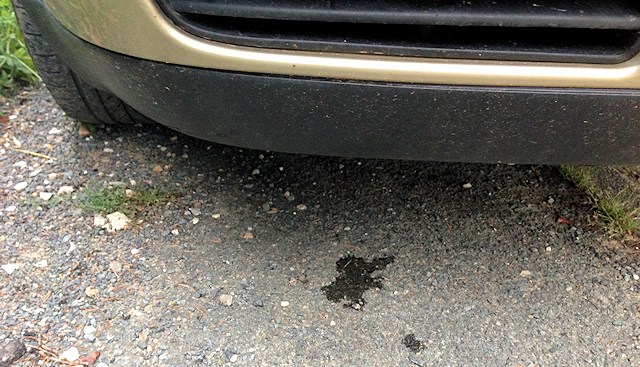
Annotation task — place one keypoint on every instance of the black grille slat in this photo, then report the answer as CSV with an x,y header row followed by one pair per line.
x,y
594,31
505,13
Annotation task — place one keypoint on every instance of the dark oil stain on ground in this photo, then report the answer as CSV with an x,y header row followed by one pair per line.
x,y
413,344
353,279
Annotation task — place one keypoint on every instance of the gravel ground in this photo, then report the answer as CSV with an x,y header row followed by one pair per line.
x,y
249,260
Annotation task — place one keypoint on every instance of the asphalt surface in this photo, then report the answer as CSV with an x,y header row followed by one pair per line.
x,y
266,259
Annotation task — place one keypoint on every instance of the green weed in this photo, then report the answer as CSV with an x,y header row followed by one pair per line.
x,y
129,202
16,65
615,211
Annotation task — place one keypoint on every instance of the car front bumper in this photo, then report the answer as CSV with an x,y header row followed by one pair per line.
x,y
304,111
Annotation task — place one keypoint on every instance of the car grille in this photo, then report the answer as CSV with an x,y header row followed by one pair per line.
x,y
591,31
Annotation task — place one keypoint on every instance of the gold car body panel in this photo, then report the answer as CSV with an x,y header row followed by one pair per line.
x,y
139,28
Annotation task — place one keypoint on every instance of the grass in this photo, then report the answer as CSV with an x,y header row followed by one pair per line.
x,y
117,199
16,66
616,211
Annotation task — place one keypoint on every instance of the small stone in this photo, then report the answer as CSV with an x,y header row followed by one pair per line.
x,y
83,132
569,289
41,264
332,323
91,291
100,221
89,332
45,196
142,344
135,251
301,207
255,172
11,352
617,323
467,185
259,303
134,313
636,277
54,131
195,220
72,248
225,299
65,190
72,354
195,211
10,209
234,358
347,228
115,266
215,216
551,201
284,303
525,273
175,232
117,221
548,249
107,150
10,268
20,186
20,164
157,168
248,236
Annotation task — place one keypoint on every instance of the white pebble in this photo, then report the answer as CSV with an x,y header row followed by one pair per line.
x,y
45,196
20,186
65,190
234,358
71,355
284,303
117,221
225,299
88,331
10,268
467,185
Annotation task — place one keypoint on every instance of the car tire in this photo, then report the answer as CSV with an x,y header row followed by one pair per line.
x,y
77,99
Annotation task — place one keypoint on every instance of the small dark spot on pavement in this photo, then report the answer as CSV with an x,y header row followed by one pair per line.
x,y
413,344
354,278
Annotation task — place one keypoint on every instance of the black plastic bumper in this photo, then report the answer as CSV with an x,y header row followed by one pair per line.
x,y
363,119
